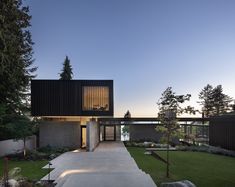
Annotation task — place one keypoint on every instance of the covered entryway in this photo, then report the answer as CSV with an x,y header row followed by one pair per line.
x,y
110,133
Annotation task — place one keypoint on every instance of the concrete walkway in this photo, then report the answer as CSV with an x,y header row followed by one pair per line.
x,y
109,165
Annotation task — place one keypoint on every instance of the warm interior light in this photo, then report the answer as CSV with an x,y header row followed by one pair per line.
x,y
95,98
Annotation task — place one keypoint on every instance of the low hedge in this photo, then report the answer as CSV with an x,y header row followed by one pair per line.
x,y
44,153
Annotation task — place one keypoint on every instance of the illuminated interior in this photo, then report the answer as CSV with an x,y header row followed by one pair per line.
x,y
83,138
81,119
95,98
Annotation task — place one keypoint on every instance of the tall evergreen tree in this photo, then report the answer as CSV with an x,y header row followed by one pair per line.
x,y
222,102
16,65
125,128
206,97
16,58
214,101
66,72
127,114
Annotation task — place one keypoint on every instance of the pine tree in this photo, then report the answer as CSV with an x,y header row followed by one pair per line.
x,y
66,72
206,97
126,128
15,55
127,114
169,106
16,67
214,101
16,58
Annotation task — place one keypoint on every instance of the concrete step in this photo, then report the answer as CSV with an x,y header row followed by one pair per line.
x,y
62,172
137,179
60,181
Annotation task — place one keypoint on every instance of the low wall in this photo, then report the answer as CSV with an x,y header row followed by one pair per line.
x,y
92,135
60,134
144,133
15,146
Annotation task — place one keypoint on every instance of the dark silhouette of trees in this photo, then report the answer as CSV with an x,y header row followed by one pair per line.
x,y
126,128
127,114
66,72
16,59
16,67
214,101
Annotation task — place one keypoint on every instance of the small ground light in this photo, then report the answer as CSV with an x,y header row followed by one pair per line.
x,y
49,171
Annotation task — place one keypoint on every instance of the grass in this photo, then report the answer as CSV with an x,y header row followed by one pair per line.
x,y
203,169
32,170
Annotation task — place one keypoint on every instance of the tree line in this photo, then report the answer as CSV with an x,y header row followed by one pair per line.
x,y
212,99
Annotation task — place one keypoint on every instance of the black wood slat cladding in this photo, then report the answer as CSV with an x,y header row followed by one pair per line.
x,y
64,98
222,131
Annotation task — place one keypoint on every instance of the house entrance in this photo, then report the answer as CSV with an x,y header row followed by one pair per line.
x,y
109,133
83,136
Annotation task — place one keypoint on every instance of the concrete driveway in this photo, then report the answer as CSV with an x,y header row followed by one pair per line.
x,y
110,165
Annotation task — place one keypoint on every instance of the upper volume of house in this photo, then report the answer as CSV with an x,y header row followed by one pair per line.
x,y
72,97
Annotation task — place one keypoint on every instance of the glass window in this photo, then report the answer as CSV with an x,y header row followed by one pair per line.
x,y
95,98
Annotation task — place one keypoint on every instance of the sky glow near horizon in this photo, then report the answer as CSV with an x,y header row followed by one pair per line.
x,y
144,46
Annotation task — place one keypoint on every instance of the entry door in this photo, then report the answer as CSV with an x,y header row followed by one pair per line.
x,y
83,136
110,133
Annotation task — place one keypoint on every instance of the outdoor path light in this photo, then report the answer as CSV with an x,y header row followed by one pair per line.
x,y
49,171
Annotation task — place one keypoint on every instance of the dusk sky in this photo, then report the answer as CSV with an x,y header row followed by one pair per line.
x,y
143,45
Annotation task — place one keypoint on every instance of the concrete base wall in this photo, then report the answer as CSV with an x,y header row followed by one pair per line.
x,y
16,146
60,134
92,135
144,133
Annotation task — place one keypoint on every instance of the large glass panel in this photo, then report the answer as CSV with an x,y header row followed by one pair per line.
x,y
95,98
109,133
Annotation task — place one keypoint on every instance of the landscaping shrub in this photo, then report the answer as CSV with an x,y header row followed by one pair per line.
x,y
201,148
145,144
208,149
44,153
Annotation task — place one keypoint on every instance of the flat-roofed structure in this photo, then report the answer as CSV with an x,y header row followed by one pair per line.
x,y
69,110
72,98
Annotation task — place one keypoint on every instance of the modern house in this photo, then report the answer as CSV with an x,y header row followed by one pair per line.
x,y
69,110
79,114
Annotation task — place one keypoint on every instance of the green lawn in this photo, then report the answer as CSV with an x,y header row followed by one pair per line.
x,y
203,169
30,169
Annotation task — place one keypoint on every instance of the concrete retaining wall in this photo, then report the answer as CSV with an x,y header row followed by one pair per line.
x,y
144,133
60,134
15,146
92,135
